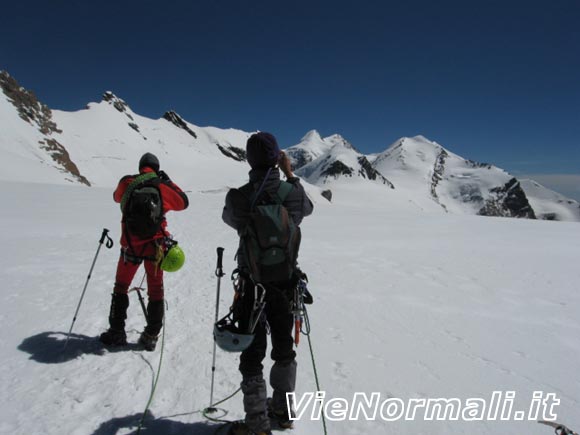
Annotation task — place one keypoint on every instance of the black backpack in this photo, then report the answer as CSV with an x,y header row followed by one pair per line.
x,y
270,239
142,206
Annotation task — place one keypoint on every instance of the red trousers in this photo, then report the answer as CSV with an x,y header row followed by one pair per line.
x,y
126,271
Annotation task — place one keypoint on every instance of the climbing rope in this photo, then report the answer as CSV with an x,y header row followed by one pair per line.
x,y
157,375
307,320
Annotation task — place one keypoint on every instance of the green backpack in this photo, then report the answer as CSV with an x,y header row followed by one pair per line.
x,y
271,239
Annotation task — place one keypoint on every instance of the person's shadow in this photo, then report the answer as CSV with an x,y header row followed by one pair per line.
x,y
49,347
161,426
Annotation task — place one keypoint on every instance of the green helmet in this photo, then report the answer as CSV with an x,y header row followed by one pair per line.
x,y
173,259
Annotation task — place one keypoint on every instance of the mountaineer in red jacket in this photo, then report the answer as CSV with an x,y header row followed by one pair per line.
x,y
144,199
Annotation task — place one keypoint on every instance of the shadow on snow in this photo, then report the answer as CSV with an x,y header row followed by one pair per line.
x,y
48,347
161,426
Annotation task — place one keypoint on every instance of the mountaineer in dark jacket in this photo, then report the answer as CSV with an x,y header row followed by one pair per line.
x,y
267,161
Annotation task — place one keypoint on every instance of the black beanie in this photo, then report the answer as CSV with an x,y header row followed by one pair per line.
x,y
149,160
262,150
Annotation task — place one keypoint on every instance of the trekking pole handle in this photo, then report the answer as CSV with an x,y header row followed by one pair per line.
x,y
220,254
105,235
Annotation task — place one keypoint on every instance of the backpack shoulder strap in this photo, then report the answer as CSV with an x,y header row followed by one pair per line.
x,y
136,182
283,191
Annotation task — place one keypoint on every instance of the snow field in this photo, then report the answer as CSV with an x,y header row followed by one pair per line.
x,y
410,304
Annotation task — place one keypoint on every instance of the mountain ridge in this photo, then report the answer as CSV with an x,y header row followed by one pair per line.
x,y
94,145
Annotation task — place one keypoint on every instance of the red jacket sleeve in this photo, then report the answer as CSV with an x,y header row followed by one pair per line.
x,y
173,197
122,187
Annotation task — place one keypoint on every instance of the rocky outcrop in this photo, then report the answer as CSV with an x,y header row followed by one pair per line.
x,y
34,112
298,157
60,155
438,170
509,201
27,105
327,194
117,103
178,121
122,107
367,171
336,169
233,152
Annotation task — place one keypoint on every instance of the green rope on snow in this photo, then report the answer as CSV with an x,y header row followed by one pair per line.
x,y
156,377
316,378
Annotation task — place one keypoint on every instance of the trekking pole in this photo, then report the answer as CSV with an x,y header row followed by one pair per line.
x,y
109,245
219,273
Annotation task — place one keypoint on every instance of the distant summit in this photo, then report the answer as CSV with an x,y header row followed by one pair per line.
x,y
340,160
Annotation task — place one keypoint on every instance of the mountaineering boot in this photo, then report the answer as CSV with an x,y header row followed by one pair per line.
x,y
116,336
148,341
280,417
149,336
255,396
241,428
282,380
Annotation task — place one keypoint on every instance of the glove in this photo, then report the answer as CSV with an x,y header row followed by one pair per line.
x,y
163,176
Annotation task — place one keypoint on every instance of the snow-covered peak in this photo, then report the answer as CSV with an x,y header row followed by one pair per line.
x,y
311,136
337,139
116,102
456,184
340,161
310,148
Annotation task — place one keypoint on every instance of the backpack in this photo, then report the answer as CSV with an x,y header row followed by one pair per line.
x,y
142,206
271,239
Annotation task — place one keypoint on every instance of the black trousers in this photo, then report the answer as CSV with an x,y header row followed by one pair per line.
x,y
280,321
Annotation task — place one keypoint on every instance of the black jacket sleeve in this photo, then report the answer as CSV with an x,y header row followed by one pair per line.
x,y
237,209
297,202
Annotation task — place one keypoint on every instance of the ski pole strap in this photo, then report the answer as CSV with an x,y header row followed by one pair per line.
x,y
105,235
219,269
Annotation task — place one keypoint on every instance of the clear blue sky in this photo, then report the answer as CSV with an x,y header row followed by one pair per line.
x,y
494,81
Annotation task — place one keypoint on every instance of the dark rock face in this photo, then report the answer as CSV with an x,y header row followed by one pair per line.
x,y
122,107
438,170
60,155
367,171
327,194
34,112
509,201
299,158
336,169
475,164
178,121
233,152
28,106
117,103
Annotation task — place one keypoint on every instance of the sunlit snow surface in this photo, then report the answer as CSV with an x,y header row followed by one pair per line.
x,y
409,302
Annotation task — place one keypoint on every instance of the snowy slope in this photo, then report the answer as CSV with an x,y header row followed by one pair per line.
x,y
456,184
104,144
550,205
407,303
22,158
